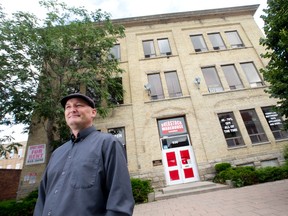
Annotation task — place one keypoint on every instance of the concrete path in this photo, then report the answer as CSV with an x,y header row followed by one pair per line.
x,y
267,199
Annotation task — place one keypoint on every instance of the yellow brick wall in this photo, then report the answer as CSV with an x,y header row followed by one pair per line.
x,y
199,107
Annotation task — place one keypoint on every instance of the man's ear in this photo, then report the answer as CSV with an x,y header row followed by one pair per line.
x,y
94,113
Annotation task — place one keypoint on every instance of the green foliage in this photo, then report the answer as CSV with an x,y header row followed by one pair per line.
x,y
243,176
41,60
240,176
276,43
141,188
268,174
221,167
24,207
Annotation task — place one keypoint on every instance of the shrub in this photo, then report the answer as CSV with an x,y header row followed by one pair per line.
x,y
285,153
24,207
244,176
141,188
240,176
268,174
222,166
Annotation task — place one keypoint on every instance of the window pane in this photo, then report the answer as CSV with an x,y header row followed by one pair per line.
x,y
212,80
251,74
234,39
94,92
275,123
198,43
120,134
253,126
216,41
115,52
164,47
156,86
230,129
149,50
115,90
232,77
173,85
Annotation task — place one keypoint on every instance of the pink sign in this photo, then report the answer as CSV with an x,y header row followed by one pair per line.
x,y
36,154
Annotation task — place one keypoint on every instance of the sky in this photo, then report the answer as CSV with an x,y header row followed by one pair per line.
x,y
126,9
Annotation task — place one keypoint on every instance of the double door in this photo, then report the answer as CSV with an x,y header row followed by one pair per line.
x,y
178,160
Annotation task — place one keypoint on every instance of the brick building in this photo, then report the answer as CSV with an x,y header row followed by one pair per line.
x,y
193,97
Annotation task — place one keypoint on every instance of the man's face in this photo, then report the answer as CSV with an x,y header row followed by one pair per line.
x,y
78,114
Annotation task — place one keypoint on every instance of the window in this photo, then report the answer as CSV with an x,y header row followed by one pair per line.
x,y
95,93
119,133
173,84
76,57
115,90
198,43
216,41
275,123
149,50
115,52
234,39
212,80
20,153
156,86
232,77
230,129
164,47
251,74
253,126
73,88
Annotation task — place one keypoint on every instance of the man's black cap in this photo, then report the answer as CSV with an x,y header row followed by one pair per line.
x,y
89,101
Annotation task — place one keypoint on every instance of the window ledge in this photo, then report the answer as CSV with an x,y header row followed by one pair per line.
x,y
157,57
281,140
234,90
167,99
237,147
261,143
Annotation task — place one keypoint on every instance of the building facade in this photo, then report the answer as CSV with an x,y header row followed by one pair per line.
x,y
193,97
14,160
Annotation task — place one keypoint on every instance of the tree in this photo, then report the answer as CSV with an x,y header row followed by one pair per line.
x,y
276,43
41,60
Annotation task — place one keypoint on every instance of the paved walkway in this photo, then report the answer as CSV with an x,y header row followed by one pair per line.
x,y
268,199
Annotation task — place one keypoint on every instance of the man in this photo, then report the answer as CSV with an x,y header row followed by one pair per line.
x,y
87,175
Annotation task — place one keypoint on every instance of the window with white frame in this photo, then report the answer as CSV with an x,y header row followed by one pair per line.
x,y
253,126
115,52
164,47
216,41
275,123
149,49
198,43
234,39
230,129
173,84
232,77
212,80
252,74
156,90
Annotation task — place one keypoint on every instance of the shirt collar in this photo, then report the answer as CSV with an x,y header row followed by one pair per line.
x,y
82,134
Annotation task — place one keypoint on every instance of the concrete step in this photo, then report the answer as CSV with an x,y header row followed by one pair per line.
x,y
188,189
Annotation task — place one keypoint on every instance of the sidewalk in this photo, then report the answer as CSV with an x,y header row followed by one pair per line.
x,y
268,199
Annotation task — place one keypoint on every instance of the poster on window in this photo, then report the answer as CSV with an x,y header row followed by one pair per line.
x,y
36,154
272,118
227,125
172,126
